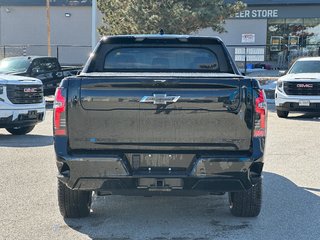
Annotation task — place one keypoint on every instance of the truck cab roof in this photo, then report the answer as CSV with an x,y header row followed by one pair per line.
x,y
168,37
31,57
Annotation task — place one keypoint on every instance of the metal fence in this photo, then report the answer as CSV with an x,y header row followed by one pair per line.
x,y
67,54
245,56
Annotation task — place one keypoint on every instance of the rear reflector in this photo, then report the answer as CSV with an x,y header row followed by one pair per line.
x,y
59,113
260,116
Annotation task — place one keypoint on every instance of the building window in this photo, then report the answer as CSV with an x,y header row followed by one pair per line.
x,y
293,37
312,28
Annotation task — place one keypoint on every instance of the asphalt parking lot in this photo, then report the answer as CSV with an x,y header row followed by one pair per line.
x,y
291,197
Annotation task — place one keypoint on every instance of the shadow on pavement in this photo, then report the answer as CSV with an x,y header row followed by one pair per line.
x,y
312,117
23,141
288,212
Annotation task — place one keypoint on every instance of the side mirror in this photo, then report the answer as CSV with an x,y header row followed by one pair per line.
x,y
282,72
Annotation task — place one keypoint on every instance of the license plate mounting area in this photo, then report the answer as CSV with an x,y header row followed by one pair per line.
x,y
304,103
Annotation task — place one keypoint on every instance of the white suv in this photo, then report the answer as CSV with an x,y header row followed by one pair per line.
x,y
22,105
299,89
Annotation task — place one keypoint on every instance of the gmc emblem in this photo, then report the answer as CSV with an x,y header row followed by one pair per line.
x,y
304,85
29,90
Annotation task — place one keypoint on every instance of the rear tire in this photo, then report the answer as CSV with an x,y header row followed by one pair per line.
x,y
20,130
246,203
282,114
73,203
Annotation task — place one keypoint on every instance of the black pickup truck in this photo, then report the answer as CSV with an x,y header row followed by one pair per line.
x,y
159,115
47,69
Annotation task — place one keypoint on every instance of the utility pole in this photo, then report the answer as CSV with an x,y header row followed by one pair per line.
x,y
48,28
94,24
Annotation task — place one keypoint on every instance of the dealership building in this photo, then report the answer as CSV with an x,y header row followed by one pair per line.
x,y
271,28
23,28
260,33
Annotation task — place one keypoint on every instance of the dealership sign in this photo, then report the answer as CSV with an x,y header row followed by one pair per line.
x,y
248,38
258,13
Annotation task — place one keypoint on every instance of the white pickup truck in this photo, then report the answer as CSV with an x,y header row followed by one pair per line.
x,y
299,89
22,104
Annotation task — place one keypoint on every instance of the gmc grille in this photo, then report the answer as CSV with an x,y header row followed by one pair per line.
x,y
302,88
25,94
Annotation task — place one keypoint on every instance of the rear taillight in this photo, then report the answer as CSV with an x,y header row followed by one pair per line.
x,y
260,116
59,113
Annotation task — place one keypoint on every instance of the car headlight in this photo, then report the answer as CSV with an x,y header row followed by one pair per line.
x,y
280,85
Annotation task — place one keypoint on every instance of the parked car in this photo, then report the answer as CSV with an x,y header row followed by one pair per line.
x,y
22,104
47,69
299,88
159,115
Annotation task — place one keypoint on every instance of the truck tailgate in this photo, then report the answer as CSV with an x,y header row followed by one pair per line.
x,y
154,113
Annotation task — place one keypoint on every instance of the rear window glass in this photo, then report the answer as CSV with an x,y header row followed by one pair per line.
x,y
42,65
163,59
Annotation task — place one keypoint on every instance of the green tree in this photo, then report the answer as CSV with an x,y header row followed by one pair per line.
x,y
174,16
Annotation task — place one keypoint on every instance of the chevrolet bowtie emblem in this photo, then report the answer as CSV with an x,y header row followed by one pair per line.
x,y
158,99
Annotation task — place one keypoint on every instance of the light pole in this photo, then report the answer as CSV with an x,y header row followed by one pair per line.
x,y
94,24
48,28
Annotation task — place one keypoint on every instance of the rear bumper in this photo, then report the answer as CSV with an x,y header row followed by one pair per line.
x,y
114,174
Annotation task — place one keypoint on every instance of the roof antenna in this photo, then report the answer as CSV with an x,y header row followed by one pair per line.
x,y
161,31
